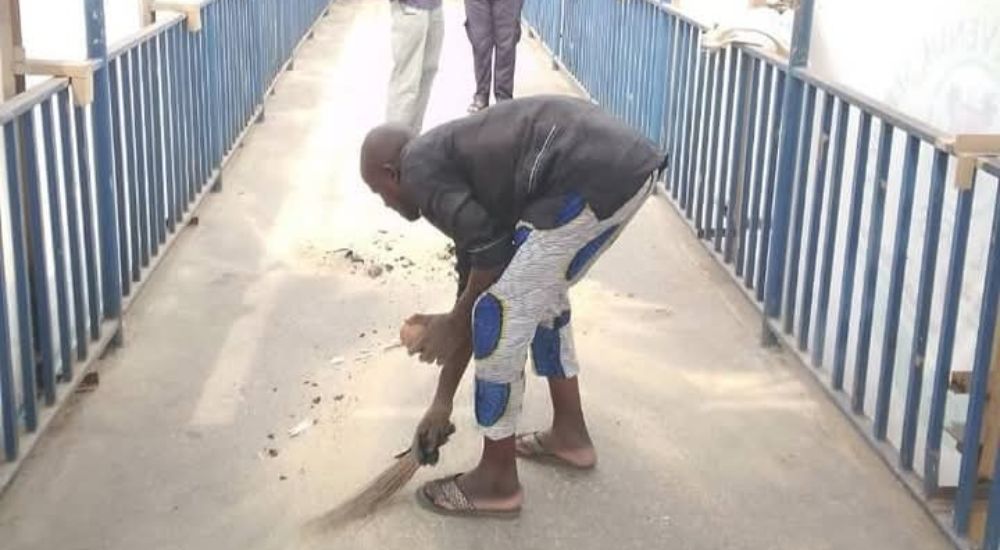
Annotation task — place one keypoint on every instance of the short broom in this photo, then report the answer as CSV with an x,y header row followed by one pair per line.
x,y
376,493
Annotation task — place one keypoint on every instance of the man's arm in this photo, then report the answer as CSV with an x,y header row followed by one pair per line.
x,y
459,330
453,330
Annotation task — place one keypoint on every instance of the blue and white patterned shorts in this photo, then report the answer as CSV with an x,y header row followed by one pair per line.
x,y
528,308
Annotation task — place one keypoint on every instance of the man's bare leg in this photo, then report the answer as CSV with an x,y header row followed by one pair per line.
x,y
493,484
568,437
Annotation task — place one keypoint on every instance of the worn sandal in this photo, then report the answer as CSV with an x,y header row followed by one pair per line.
x,y
530,447
447,489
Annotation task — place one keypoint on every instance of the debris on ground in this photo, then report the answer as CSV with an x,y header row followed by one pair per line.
x,y
405,262
282,478
89,383
270,436
375,271
353,256
448,253
338,360
316,400
443,255
272,452
300,428
339,397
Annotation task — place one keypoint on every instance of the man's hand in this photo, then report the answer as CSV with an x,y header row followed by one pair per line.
x,y
433,431
436,338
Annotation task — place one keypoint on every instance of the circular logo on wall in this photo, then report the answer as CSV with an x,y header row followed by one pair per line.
x,y
952,80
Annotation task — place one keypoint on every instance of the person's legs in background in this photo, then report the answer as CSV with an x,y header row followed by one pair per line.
x,y
432,56
507,30
479,26
409,42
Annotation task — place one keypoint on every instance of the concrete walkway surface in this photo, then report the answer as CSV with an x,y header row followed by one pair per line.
x,y
256,322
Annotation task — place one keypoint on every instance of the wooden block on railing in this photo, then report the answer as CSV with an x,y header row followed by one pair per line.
x,y
989,438
79,73
960,381
968,148
191,12
977,522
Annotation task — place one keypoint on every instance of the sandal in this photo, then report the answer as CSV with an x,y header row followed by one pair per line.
x,y
530,447
447,489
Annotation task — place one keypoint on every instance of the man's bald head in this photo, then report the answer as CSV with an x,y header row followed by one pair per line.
x,y
383,146
380,162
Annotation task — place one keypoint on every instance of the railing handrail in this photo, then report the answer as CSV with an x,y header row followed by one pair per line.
x,y
120,171
14,107
900,120
765,56
143,34
679,13
928,132
992,166
28,99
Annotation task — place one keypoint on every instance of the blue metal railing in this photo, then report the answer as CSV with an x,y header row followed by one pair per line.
x,y
80,237
855,261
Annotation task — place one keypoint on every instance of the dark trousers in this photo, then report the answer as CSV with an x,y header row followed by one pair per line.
x,y
494,28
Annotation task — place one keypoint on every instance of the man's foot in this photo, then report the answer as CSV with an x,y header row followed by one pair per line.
x,y
478,104
478,493
557,448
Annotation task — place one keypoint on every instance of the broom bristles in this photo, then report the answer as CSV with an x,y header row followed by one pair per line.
x,y
373,495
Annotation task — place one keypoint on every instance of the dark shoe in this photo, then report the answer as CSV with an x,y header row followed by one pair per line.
x,y
478,104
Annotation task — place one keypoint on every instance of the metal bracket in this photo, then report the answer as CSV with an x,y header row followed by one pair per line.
x,y
79,73
968,150
191,12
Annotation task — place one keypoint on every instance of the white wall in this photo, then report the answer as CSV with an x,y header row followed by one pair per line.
x,y
939,62
55,28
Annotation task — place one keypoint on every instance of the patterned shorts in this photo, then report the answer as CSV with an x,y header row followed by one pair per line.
x,y
528,308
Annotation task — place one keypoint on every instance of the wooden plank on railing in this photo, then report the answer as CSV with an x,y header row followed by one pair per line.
x,y
146,13
10,45
960,382
990,437
988,441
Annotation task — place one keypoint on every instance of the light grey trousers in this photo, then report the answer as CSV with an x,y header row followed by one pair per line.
x,y
416,48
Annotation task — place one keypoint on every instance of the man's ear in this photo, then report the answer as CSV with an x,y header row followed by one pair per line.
x,y
392,172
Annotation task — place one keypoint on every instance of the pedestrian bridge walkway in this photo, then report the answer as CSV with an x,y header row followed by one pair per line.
x,y
256,383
